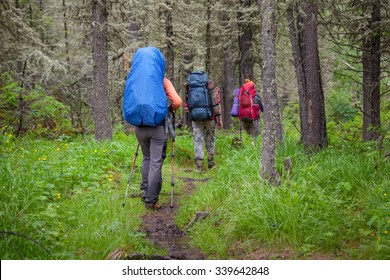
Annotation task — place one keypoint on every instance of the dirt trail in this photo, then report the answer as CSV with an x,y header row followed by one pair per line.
x,y
160,227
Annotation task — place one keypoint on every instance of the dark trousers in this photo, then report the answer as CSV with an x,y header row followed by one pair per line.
x,y
153,142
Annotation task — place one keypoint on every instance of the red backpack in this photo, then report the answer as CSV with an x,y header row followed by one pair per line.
x,y
248,110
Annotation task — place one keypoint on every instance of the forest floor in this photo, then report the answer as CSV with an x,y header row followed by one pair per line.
x,y
160,227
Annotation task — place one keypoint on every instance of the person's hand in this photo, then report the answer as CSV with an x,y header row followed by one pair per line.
x,y
186,109
219,122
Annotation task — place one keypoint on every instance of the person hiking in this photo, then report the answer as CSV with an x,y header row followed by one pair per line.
x,y
249,109
147,86
203,105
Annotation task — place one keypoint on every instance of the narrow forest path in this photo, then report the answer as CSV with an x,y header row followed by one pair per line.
x,y
160,227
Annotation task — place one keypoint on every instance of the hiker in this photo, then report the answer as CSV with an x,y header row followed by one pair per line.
x,y
249,108
148,87
204,106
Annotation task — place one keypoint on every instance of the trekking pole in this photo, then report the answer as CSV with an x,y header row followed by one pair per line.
x,y
173,135
172,169
131,175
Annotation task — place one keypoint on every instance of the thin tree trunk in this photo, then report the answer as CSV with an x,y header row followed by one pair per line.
x,y
228,89
208,37
101,101
187,61
371,74
299,67
169,32
244,42
227,98
268,167
278,121
66,35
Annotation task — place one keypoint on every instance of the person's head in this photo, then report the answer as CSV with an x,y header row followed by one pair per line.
x,y
210,84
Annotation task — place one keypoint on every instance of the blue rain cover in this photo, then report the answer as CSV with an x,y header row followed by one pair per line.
x,y
145,101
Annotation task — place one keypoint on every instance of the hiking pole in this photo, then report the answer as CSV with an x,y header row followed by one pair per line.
x,y
173,135
131,175
172,169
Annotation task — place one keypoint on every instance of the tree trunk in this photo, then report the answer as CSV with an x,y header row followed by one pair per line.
x,y
244,42
66,35
170,58
304,42
208,37
278,121
296,46
227,98
371,74
188,58
268,167
317,135
228,89
101,101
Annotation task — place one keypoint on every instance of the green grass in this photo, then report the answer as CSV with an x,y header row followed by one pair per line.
x,y
335,203
65,197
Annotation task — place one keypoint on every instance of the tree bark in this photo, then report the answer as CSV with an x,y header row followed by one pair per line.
x,y
170,56
268,167
304,43
278,120
244,43
316,136
101,101
227,98
208,37
371,73
228,89
66,35
296,46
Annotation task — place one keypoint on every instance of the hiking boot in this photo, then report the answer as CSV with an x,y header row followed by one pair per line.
x,y
210,162
199,165
152,205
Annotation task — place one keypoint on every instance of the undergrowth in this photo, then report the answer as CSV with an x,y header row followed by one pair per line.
x,y
62,199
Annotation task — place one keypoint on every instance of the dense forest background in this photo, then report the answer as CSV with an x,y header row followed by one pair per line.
x,y
64,63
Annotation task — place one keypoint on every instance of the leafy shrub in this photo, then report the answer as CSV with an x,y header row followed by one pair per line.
x,y
339,107
41,113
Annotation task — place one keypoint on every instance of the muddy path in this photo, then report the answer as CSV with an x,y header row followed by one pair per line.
x,y
160,227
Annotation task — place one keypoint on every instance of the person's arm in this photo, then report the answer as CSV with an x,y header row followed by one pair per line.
x,y
172,94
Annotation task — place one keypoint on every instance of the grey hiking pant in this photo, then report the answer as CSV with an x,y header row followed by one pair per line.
x,y
203,133
153,142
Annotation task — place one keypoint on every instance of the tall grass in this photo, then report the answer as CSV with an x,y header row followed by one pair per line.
x,y
335,203
62,199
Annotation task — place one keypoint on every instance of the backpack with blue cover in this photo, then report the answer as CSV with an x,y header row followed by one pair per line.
x,y
145,101
199,103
